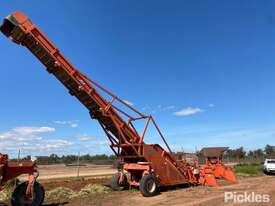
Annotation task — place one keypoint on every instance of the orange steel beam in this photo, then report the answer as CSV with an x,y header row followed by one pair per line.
x,y
126,142
22,31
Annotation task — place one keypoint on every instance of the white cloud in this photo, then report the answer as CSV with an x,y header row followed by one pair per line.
x,y
146,108
60,122
169,107
94,140
74,125
161,108
158,108
128,102
30,140
188,111
86,138
83,138
54,144
71,123
211,105
233,136
25,133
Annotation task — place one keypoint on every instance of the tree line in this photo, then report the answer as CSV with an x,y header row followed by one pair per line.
x,y
73,159
238,154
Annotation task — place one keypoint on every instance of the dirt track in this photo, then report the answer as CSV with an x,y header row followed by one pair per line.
x,y
196,196
61,171
204,196
193,196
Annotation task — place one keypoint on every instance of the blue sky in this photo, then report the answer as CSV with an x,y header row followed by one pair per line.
x,y
205,69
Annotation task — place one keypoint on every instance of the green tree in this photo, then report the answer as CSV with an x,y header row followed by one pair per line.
x,y
269,150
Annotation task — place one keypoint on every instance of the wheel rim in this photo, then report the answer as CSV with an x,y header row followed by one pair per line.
x,y
27,200
118,182
151,186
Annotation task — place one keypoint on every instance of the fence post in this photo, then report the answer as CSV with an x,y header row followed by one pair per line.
x,y
78,164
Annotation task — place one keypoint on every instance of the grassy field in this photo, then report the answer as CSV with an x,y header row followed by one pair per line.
x,y
248,170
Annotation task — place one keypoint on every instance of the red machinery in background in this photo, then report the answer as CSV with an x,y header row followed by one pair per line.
x,y
148,166
27,193
215,166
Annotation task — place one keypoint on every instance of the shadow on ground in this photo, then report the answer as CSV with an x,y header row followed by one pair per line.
x,y
55,204
176,187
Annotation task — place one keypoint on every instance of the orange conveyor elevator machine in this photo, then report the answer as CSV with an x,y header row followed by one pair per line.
x,y
138,158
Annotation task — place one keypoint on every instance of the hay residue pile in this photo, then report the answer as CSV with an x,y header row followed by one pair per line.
x,y
5,194
93,189
60,193
63,193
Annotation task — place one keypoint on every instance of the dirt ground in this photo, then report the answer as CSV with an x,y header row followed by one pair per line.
x,y
75,184
65,177
61,171
192,196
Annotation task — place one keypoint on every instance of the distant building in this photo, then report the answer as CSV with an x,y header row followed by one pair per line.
x,y
186,157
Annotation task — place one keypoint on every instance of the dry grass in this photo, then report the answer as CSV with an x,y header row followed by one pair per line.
x,y
60,193
5,194
63,193
93,189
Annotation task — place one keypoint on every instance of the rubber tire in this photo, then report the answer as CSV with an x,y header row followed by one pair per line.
x,y
18,196
115,185
143,186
